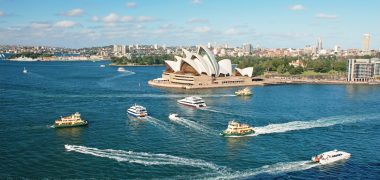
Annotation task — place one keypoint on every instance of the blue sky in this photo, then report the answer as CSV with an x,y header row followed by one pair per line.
x,y
269,23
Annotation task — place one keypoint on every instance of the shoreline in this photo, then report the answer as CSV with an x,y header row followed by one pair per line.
x,y
126,65
266,82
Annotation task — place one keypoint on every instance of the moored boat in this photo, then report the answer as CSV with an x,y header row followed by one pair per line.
x,y
24,71
73,120
330,157
236,129
137,111
193,101
244,92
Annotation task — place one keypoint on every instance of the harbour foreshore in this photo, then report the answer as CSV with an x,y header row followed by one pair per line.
x,y
264,82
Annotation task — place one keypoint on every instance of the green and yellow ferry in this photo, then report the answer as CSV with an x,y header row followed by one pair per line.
x,y
236,129
73,120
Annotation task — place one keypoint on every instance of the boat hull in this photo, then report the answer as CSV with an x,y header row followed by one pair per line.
x,y
191,105
70,125
236,134
136,115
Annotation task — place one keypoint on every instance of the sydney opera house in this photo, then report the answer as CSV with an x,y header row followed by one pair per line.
x,y
202,70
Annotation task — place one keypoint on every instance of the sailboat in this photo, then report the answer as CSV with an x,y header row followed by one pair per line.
x,y
24,71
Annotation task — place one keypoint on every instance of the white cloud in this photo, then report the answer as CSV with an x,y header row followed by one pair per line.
x,y
232,31
73,12
297,7
64,24
196,1
131,4
95,18
126,18
145,19
111,18
36,25
326,16
202,29
197,20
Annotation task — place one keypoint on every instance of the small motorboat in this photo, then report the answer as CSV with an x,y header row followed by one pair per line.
x,y
173,117
102,65
121,69
330,157
24,71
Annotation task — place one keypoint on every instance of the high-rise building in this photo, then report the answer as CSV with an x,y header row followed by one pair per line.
x,y
119,50
209,45
247,48
366,41
319,45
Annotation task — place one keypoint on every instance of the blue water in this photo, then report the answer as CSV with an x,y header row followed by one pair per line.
x,y
294,122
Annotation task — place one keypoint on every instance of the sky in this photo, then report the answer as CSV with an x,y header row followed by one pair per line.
x,y
264,23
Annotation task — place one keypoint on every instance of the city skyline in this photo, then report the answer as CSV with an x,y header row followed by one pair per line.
x,y
271,24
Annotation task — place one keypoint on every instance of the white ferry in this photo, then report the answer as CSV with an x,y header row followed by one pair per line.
x,y
137,111
330,157
121,69
193,101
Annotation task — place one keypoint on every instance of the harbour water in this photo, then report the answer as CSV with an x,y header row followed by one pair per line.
x,y
293,123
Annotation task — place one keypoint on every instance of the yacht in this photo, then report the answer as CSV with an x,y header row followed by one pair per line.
x,y
137,111
102,65
121,69
236,129
24,71
70,121
244,92
330,157
193,101
173,117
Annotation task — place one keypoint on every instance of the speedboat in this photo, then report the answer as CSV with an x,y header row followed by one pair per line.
x,y
330,157
102,65
121,69
193,101
173,117
244,92
73,120
24,71
236,129
137,111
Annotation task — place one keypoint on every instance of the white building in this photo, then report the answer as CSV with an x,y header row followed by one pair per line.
x,y
363,70
366,41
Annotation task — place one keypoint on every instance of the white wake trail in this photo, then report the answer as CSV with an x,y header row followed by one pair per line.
x,y
278,168
300,125
158,123
142,157
193,125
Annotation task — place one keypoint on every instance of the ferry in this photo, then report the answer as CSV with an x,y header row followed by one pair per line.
x,y
244,92
24,71
236,129
173,117
121,69
330,157
137,111
70,121
193,101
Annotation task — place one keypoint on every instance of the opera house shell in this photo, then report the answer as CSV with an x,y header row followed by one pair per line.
x,y
203,63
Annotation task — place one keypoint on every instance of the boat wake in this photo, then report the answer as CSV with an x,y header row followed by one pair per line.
x,y
193,125
223,112
107,82
300,125
278,168
158,123
143,158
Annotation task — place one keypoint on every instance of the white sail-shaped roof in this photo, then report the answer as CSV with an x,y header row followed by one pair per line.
x,y
225,67
246,71
204,62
